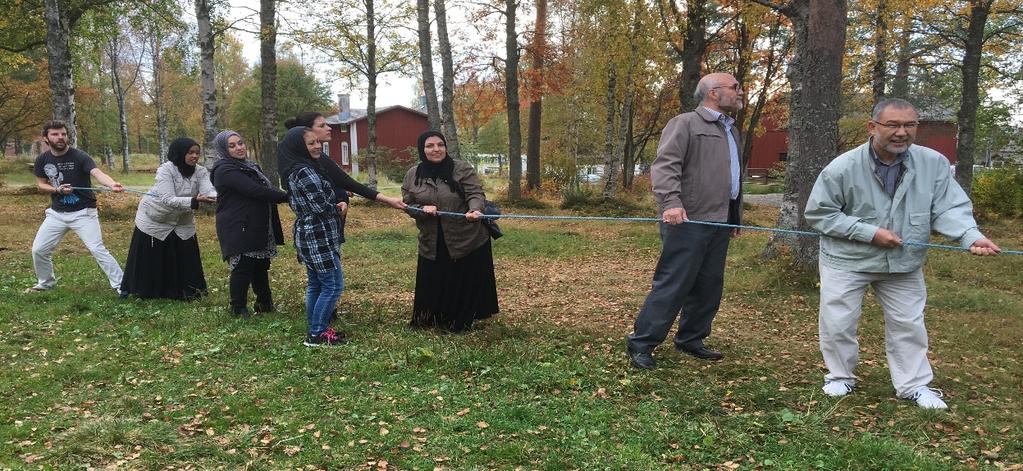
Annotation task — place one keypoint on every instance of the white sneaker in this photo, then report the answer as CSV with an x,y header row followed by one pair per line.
x,y
928,398
836,388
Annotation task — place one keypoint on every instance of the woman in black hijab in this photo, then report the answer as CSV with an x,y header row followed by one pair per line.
x,y
163,259
317,229
341,181
455,282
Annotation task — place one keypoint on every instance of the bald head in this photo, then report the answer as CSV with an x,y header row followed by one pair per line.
x,y
719,91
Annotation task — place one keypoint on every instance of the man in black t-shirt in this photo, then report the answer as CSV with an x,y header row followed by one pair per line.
x,y
61,172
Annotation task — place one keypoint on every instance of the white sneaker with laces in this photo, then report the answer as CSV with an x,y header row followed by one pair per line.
x,y
836,388
928,398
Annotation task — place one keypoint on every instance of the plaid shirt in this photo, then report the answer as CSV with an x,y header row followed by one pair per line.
x,y
317,229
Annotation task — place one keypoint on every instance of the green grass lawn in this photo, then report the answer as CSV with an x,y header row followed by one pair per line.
x,y
90,381
751,188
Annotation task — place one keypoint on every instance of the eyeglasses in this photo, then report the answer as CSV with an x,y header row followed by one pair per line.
x,y
734,86
895,126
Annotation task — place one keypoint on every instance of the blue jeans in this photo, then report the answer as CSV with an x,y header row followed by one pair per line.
x,y
322,293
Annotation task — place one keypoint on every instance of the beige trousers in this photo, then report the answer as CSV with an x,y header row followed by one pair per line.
x,y
902,297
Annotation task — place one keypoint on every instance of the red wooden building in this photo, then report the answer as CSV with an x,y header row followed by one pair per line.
x,y
772,146
397,129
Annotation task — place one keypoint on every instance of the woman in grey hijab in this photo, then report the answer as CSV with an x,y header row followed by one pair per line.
x,y
248,225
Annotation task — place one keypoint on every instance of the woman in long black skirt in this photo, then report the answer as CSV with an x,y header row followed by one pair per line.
x,y
163,259
455,282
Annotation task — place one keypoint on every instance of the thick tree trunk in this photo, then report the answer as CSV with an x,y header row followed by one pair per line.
x,y
610,156
268,87
447,81
880,71
970,95
816,77
58,55
371,100
113,54
426,64
209,87
536,97
511,89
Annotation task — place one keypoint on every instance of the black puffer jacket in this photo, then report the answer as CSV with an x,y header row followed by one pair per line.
x,y
246,208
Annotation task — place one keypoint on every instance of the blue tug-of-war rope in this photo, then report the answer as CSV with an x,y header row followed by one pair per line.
x,y
690,221
129,190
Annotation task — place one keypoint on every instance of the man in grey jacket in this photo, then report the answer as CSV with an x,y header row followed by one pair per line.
x,y
865,203
695,175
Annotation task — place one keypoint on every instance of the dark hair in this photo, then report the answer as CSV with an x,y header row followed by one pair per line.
x,y
897,103
53,124
304,118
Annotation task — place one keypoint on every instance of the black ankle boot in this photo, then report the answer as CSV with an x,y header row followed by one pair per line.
x,y
259,306
242,312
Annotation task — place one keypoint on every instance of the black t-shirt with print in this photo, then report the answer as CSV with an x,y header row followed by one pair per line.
x,y
72,168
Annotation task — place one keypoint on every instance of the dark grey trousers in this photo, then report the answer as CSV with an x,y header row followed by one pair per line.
x,y
689,278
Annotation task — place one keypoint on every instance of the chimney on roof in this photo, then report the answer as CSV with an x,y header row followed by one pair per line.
x,y
344,109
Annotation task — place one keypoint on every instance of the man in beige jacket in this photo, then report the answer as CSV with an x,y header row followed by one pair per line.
x,y
696,175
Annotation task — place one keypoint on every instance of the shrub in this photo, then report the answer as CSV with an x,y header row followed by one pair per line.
x,y
777,171
999,192
574,196
525,202
590,202
392,164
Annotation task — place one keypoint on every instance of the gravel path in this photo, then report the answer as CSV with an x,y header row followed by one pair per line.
x,y
772,199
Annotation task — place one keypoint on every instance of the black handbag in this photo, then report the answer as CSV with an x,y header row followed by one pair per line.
x,y
491,209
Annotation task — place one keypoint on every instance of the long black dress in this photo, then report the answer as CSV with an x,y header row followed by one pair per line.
x,y
168,269
451,294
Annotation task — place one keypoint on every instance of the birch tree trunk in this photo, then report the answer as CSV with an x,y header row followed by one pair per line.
x,y
447,81
113,54
108,156
622,147
610,160
970,95
511,89
426,64
624,151
209,88
371,100
536,97
629,152
58,55
268,88
159,100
